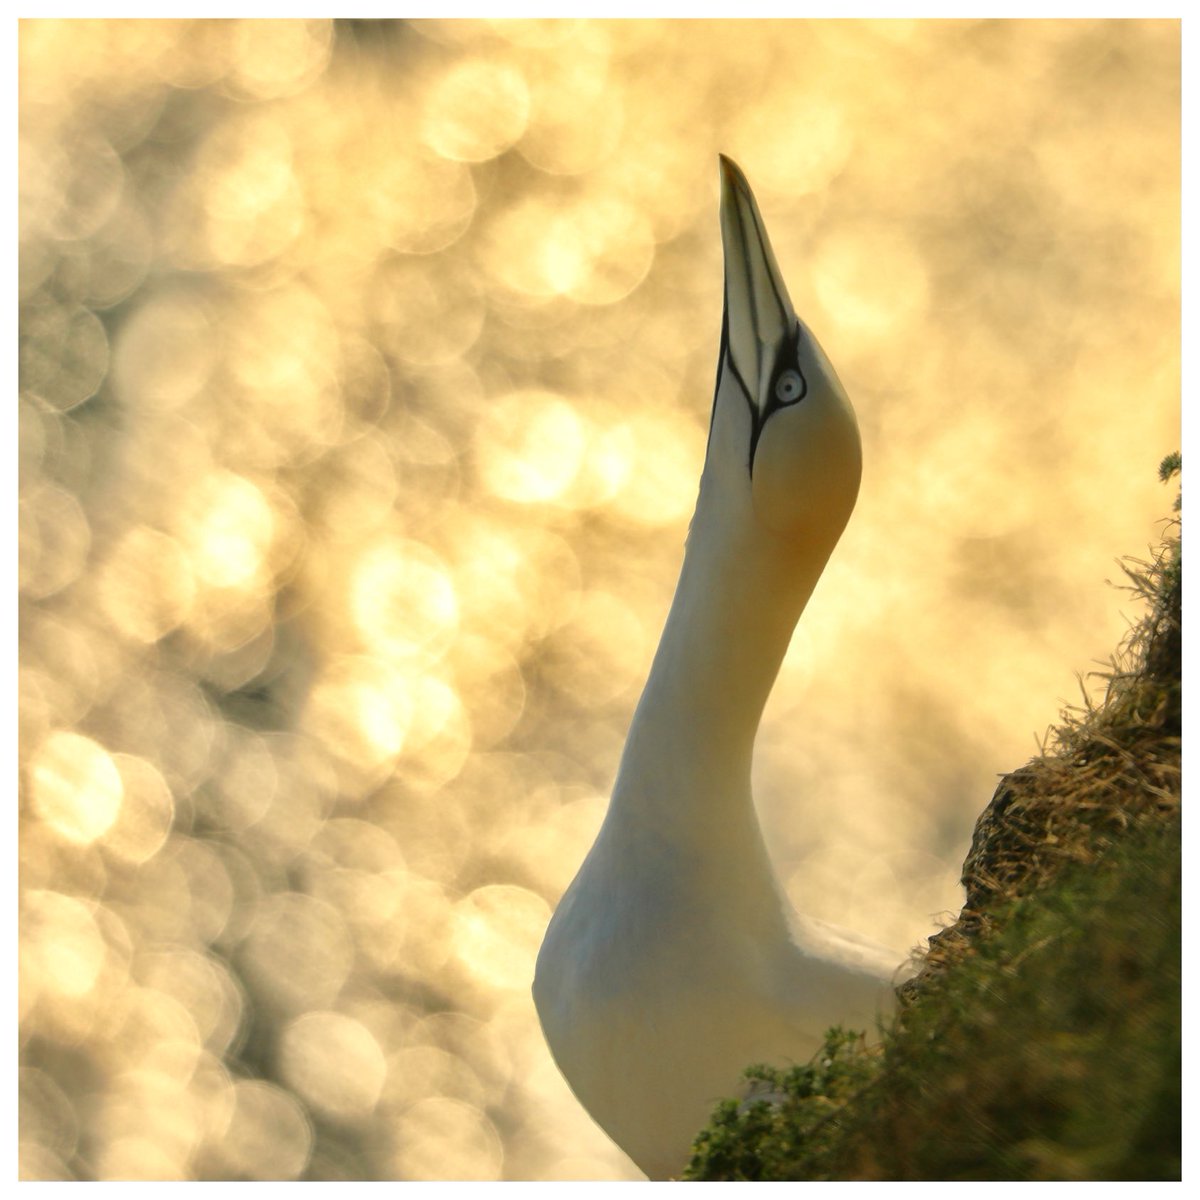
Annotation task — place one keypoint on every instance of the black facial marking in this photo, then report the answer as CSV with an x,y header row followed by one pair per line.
x,y
786,359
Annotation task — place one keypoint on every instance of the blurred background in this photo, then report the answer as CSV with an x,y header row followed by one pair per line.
x,y
365,373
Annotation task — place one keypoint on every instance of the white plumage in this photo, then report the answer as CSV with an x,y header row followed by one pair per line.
x,y
674,959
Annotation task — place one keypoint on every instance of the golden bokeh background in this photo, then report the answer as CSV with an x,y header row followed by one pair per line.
x,y
365,373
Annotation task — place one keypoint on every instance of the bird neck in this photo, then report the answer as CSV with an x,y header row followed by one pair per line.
x,y
740,593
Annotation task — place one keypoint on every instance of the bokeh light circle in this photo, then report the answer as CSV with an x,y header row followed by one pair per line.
x,y
334,1063
76,787
476,110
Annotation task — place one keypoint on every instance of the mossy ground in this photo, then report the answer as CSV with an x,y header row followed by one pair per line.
x,y
1041,1039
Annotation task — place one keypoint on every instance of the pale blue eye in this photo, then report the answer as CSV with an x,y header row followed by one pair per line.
x,y
789,387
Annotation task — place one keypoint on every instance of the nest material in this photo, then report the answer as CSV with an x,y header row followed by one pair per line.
x,y
1106,769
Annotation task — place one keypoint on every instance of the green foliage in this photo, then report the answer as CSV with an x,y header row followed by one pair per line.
x,y
762,1138
1051,1052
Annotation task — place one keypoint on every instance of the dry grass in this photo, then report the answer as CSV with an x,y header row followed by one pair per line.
x,y
1105,769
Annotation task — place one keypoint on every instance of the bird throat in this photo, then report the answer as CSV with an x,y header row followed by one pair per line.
x,y
741,591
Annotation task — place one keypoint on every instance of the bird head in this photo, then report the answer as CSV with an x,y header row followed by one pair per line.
x,y
782,424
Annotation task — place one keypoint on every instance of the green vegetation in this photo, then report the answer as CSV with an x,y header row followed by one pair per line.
x,y
1041,1039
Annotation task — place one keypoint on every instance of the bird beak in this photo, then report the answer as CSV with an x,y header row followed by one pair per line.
x,y
758,311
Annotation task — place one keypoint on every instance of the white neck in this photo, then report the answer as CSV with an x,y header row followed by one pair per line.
x,y
740,594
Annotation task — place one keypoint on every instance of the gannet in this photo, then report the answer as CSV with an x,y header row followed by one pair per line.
x,y
674,960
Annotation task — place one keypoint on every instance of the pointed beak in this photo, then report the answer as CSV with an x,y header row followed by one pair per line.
x,y
758,311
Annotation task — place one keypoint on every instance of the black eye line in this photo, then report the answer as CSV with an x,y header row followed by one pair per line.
x,y
788,359
724,358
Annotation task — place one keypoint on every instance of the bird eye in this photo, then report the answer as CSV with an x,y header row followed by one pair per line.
x,y
789,387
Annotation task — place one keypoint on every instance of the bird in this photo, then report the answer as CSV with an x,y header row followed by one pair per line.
x,y
674,960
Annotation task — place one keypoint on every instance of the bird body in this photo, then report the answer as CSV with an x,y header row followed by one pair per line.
x,y
674,961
